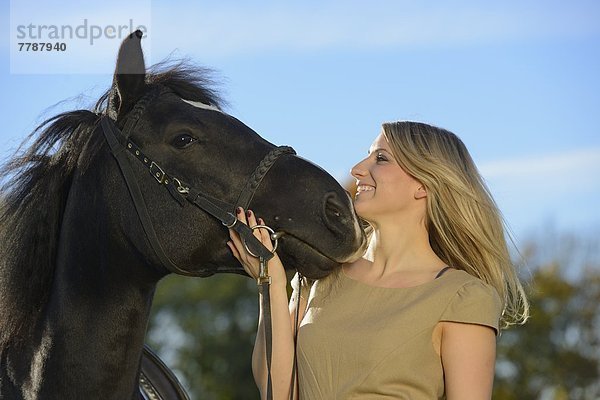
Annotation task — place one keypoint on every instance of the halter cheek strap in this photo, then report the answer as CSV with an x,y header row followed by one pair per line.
x,y
118,151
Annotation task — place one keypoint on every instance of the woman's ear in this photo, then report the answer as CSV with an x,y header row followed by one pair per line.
x,y
421,192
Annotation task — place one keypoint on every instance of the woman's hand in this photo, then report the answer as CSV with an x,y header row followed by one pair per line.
x,y
249,262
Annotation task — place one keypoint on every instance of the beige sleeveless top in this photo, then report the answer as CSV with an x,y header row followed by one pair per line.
x,y
358,341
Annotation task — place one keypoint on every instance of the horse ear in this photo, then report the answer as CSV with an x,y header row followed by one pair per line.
x,y
130,75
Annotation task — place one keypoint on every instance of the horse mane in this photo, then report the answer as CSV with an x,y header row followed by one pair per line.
x,y
35,185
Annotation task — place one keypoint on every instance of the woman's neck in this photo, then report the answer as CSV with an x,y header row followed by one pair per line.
x,y
403,248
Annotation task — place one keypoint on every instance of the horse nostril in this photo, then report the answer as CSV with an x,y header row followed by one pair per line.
x,y
333,211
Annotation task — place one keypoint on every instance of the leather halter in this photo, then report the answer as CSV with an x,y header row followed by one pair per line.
x,y
120,145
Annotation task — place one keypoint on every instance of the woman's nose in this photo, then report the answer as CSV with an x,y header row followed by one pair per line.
x,y
359,170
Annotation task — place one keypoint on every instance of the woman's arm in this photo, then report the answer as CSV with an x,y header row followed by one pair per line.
x,y
282,338
282,346
468,357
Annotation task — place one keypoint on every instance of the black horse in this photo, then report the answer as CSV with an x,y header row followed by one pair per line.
x,y
78,269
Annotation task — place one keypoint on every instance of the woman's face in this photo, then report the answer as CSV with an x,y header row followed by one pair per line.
x,y
384,189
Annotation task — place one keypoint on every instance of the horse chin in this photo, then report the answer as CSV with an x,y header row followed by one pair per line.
x,y
302,256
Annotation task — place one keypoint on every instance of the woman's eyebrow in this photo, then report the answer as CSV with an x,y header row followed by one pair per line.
x,y
378,150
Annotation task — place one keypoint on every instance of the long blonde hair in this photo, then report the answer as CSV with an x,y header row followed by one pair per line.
x,y
466,229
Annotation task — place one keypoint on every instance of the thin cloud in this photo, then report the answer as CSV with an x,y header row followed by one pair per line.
x,y
583,162
558,188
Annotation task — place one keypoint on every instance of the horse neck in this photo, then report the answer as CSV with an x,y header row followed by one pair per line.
x,y
92,332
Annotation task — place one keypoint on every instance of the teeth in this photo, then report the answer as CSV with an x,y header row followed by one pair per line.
x,y
364,188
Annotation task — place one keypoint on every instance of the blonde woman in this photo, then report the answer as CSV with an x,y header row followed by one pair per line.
x,y
417,317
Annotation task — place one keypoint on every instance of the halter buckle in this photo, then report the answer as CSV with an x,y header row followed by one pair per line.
x,y
263,273
157,172
180,187
262,280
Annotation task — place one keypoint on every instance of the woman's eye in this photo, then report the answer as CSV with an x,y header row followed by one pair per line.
x,y
380,157
183,141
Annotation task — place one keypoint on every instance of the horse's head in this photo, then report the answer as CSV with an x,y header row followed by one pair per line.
x,y
176,121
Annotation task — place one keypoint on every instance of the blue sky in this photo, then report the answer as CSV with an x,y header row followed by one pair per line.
x,y
519,82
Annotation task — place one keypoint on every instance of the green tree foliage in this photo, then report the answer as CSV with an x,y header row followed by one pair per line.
x,y
556,354
204,329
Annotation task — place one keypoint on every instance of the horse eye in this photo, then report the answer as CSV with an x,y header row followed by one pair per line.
x,y
183,141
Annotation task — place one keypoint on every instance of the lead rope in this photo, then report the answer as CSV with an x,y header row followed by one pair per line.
x,y
294,382
264,281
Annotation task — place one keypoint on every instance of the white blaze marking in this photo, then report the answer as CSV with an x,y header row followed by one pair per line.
x,y
204,106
